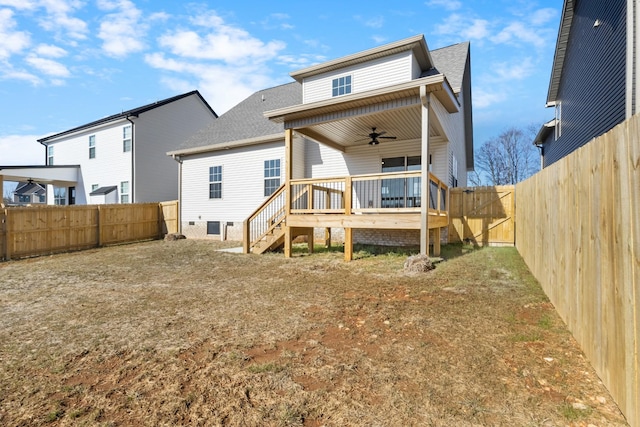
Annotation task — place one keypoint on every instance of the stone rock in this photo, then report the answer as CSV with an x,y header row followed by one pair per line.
x,y
418,264
171,237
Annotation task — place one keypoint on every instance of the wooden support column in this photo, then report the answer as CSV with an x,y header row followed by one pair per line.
x,y
327,231
424,170
310,239
348,233
288,160
436,241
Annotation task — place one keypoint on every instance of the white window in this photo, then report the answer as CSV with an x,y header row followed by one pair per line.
x,y
124,192
271,176
558,127
59,195
126,139
92,147
94,187
50,154
215,182
454,177
341,86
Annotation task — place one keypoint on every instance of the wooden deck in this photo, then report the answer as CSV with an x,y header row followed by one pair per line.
x,y
390,201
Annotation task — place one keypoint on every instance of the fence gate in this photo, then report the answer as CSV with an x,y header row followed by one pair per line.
x,y
483,215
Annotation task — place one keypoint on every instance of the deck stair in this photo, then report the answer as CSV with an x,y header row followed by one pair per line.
x,y
265,226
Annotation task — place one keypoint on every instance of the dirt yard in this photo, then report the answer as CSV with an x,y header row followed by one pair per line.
x,y
175,333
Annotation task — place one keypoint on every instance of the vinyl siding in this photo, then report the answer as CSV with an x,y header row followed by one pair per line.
x,y
592,86
110,165
156,132
370,75
242,183
323,161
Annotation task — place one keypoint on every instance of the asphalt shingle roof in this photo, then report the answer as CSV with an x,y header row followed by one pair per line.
x,y
246,119
129,113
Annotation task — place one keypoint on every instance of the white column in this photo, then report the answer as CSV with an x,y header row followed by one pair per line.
x,y
424,169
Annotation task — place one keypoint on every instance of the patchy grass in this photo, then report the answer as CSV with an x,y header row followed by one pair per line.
x,y
175,333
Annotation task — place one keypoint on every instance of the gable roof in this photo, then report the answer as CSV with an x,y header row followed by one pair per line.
x,y
245,121
561,50
451,61
416,43
135,112
24,188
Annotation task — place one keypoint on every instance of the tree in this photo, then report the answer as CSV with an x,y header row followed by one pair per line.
x,y
507,159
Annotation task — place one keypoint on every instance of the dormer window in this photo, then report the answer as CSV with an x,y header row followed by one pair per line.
x,y
341,86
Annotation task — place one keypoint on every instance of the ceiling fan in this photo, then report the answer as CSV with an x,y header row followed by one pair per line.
x,y
378,135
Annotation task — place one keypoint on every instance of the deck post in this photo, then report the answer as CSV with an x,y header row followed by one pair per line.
x,y
348,232
288,160
424,170
436,241
327,231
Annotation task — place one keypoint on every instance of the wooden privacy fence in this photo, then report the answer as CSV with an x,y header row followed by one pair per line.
x,y
31,231
482,215
579,233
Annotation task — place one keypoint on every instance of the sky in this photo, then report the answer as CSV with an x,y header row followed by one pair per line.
x,y
64,63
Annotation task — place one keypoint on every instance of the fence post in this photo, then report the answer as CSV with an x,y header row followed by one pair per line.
x,y
99,227
7,236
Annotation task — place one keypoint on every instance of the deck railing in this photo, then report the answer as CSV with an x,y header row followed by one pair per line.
x,y
375,193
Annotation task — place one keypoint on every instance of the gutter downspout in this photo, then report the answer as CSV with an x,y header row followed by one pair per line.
x,y
46,152
46,163
133,159
178,159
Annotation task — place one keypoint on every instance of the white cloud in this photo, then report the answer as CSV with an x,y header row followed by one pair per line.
x,y
59,19
542,16
122,31
222,43
520,69
19,4
48,67
379,39
11,40
446,4
50,51
483,98
301,61
9,73
464,27
21,150
374,22
518,32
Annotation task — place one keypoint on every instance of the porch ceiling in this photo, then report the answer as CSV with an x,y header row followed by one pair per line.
x,y
404,124
346,121
55,175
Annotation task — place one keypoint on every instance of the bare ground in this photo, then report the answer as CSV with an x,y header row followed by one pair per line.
x,y
175,333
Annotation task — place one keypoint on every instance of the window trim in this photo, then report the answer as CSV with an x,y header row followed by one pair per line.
x,y
123,193
92,146
49,154
215,182
126,142
341,86
270,177
558,125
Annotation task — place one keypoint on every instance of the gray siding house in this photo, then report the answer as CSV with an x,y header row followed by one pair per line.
x,y
592,86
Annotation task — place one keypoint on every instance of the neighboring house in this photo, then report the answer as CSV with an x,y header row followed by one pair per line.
x,y
593,86
30,192
353,136
122,158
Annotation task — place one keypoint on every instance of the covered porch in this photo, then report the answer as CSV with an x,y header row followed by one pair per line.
x,y
411,116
